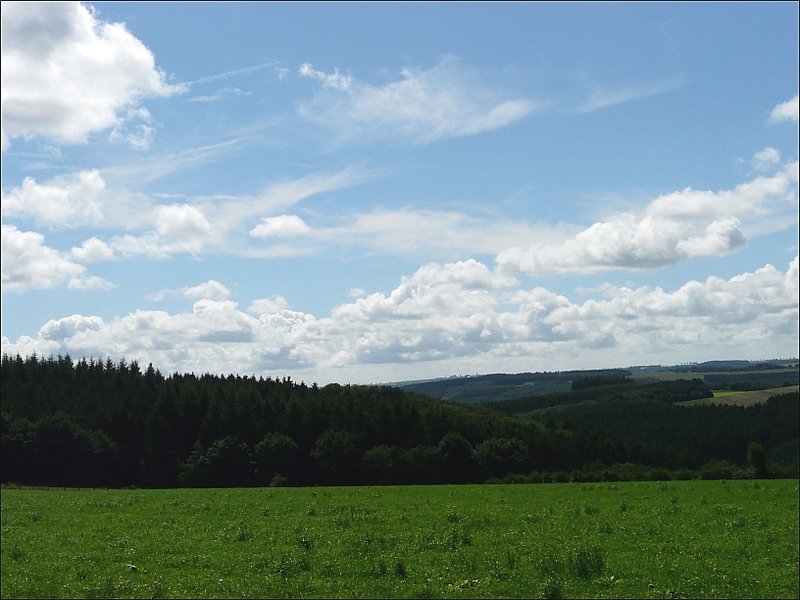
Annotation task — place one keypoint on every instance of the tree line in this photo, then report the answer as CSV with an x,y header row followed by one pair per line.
x,y
100,423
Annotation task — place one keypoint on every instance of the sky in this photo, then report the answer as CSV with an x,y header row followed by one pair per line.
x,y
379,192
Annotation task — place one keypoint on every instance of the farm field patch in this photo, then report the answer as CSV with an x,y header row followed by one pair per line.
x,y
734,539
732,398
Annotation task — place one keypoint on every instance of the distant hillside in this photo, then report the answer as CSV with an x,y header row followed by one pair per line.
x,y
488,388
740,375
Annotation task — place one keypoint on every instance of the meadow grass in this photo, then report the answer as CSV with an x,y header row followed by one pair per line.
x,y
724,393
734,539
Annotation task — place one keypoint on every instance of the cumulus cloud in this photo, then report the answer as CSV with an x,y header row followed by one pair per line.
x,y
280,226
673,227
67,74
69,327
423,106
73,200
181,221
78,199
86,199
210,290
92,250
785,111
272,305
28,263
766,159
448,314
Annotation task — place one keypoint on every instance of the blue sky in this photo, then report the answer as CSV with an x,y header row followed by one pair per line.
x,y
379,192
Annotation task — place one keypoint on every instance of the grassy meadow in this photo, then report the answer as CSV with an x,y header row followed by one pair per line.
x,y
734,398
694,539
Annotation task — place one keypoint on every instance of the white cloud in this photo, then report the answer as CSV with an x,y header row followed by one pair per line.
x,y
333,80
85,199
78,199
92,250
766,159
673,227
67,74
272,305
228,74
605,98
69,327
69,201
457,315
136,129
786,111
210,290
230,214
221,94
423,106
90,282
280,226
424,233
178,229
181,221
27,263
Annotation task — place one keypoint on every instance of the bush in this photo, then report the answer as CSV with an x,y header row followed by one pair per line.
x,y
717,469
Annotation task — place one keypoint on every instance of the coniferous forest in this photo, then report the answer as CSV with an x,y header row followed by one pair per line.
x,y
100,423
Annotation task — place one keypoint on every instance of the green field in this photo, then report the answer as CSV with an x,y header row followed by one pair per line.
x,y
724,393
733,398
733,539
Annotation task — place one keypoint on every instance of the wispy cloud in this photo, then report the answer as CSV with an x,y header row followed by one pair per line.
x,y
607,97
229,74
221,94
423,106
153,168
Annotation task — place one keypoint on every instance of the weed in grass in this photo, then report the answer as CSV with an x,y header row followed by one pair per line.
x,y
532,519
586,561
16,554
502,570
551,590
467,584
306,543
607,580
605,527
400,569
289,565
241,533
453,515
550,566
379,569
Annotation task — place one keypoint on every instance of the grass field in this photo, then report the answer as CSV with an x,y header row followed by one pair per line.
x,y
735,539
733,398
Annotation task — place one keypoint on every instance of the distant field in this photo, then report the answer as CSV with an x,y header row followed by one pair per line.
x,y
742,398
741,375
694,539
